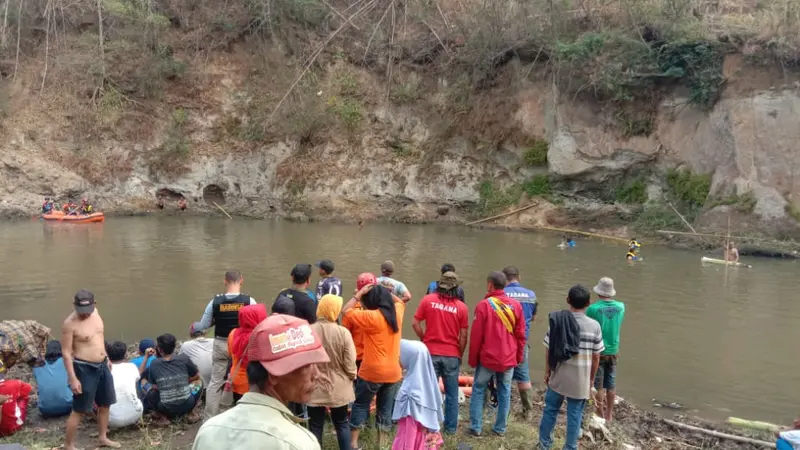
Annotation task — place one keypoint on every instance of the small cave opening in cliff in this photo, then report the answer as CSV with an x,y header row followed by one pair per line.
x,y
214,194
169,194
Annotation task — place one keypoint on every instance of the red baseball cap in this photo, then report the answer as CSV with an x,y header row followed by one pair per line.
x,y
283,344
365,279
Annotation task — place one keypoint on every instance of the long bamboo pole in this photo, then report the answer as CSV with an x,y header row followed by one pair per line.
x,y
503,215
220,208
584,233
720,435
718,236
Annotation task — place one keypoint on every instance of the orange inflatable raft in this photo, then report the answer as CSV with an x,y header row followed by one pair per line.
x,y
464,384
59,216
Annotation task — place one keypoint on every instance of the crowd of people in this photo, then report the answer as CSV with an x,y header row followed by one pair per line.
x,y
285,368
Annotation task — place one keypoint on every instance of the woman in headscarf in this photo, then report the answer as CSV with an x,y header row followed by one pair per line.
x,y
380,320
334,388
249,317
418,405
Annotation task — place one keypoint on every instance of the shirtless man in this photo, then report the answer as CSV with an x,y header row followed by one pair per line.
x,y
88,368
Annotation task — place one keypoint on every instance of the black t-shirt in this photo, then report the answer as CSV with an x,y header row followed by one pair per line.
x,y
305,307
172,379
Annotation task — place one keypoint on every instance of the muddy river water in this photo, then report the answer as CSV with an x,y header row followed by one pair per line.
x,y
719,342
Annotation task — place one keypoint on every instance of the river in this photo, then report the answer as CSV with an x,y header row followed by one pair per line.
x,y
719,342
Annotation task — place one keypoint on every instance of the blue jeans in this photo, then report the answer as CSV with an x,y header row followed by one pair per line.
x,y
447,368
552,405
522,373
365,392
480,382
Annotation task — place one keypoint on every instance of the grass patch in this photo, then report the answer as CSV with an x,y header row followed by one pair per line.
x,y
536,154
494,199
348,111
657,216
793,211
406,92
687,188
173,154
744,203
538,186
632,192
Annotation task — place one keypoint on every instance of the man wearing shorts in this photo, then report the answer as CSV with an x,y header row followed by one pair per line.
x,y
609,313
88,368
527,299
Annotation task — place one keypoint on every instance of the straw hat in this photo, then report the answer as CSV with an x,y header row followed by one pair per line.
x,y
605,287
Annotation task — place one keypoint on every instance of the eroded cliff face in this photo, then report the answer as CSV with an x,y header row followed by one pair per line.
x,y
393,169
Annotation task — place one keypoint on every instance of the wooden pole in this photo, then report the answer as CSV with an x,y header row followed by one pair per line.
x,y
718,236
685,222
720,435
584,233
503,215
220,208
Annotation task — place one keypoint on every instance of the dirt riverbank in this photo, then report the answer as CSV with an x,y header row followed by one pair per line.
x,y
633,428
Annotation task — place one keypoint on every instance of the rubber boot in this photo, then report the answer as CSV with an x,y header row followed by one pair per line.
x,y
525,397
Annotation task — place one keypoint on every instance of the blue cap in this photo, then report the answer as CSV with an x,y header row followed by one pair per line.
x,y
146,343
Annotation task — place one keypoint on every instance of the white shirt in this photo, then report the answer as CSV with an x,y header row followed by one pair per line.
x,y
199,351
128,409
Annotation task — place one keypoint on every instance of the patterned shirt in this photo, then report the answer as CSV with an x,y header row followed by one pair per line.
x,y
22,340
572,378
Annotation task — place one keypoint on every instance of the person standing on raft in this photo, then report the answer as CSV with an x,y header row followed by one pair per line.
x,y
731,253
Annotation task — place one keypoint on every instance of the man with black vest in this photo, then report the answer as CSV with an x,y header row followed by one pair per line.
x,y
222,312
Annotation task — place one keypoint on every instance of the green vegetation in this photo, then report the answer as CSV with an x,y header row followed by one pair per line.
x,y
657,216
406,92
744,203
539,185
536,154
793,211
632,192
347,110
688,189
493,199
172,155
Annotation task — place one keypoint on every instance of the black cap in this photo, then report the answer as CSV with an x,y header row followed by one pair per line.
x,y
84,302
301,273
326,265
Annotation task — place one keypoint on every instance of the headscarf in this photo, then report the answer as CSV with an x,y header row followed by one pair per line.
x,y
249,317
419,395
381,299
329,308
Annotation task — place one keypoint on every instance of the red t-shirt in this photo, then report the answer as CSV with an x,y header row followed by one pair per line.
x,y
444,318
15,410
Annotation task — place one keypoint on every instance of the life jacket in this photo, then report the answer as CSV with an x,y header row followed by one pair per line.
x,y
226,313
631,255
88,208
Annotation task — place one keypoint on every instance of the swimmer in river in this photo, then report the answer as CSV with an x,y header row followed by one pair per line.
x,y
732,253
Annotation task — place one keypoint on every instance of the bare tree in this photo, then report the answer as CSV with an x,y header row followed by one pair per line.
x,y
102,45
4,31
48,12
19,36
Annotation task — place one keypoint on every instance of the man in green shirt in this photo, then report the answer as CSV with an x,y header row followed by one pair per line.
x,y
609,313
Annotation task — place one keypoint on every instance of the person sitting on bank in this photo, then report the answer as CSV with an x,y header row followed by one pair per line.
x,y
199,349
176,384
52,385
14,395
128,409
182,204
160,202
22,341
277,375
789,439
433,286
249,317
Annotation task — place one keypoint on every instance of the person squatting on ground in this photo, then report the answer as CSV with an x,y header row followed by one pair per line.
x,y
249,317
176,384
496,347
88,368
445,319
574,343
380,319
609,313
222,312
200,350
284,353
14,396
52,386
128,409
418,405
334,389
526,299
